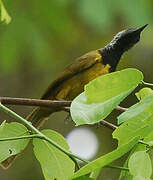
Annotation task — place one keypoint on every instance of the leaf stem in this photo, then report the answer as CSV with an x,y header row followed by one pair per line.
x,y
118,167
145,143
20,137
148,84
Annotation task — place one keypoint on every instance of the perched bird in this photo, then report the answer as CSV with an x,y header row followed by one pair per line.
x,y
70,82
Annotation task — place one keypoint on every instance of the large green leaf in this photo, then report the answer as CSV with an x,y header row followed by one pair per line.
x,y
54,163
106,159
140,165
12,147
104,94
112,85
138,121
83,113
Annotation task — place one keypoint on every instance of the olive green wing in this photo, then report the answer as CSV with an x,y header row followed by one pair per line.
x,y
82,63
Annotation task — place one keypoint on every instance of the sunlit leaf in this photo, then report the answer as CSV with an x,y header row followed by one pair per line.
x,y
137,109
110,85
12,147
83,113
140,164
104,94
138,121
54,163
125,175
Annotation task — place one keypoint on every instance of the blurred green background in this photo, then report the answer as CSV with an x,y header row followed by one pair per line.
x,y
45,36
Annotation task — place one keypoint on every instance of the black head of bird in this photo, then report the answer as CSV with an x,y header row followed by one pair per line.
x,y
126,39
122,42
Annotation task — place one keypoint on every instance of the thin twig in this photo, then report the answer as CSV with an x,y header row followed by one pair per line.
x,y
118,167
121,109
108,124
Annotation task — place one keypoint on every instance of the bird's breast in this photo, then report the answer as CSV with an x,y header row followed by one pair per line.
x,y
75,85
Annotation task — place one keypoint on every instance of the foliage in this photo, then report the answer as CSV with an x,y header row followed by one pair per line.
x,y
140,165
9,148
105,96
39,35
54,163
52,151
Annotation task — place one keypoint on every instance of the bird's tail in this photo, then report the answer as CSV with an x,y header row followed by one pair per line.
x,y
39,115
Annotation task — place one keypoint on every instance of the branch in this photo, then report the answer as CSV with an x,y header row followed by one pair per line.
x,y
121,109
34,102
108,124
61,104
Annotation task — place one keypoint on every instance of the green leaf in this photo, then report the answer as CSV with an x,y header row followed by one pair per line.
x,y
125,175
137,109
54,163
106,159
140,164
108,91
83,178
144,92
83,113
112,85
138,121
12,147
4,14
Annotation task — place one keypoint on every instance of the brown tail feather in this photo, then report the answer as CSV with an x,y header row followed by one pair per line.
x,y
37,117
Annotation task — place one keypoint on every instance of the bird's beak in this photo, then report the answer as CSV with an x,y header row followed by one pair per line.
x,y
141,28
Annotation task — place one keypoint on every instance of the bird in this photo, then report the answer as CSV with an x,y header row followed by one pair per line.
x,y
71,81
